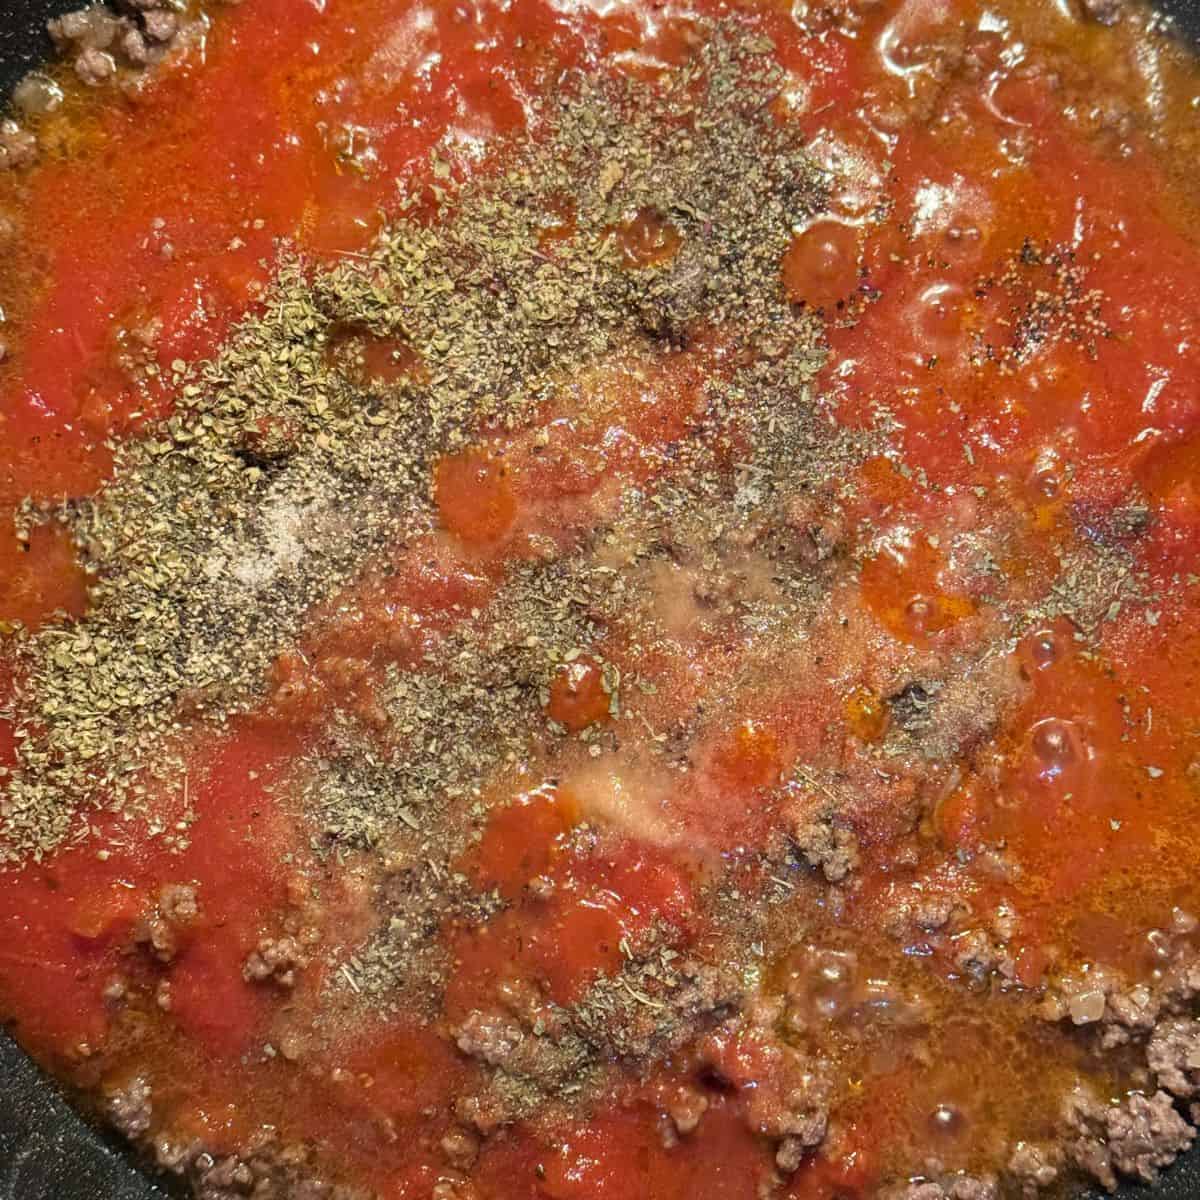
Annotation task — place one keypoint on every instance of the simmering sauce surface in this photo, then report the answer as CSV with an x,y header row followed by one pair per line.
x,y
602,600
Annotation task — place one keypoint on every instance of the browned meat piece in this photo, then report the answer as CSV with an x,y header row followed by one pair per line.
x,y
500,1041
159,931
93,28
311,1189
794,1148
101,42
158,936
484,1111
160,26
36,95
830,847
95,67
1106,12
789,1104
1129,1015
134,48
461,1148
686,1107
1033,1167
932,912
129,1107
977,955
18,147
791,1153
950,1187
178,903
492,1037
224,1179
967,1187
919,912
175,1154
268,1172
1136,1138
1174,1056
275,959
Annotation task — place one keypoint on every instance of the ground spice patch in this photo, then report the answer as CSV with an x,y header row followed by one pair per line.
x,y
277,475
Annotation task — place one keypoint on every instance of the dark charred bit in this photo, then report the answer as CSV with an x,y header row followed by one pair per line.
x,y
1103,12
1112,527
912,705
267,448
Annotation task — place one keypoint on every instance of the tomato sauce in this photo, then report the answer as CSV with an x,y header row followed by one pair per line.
x,y
1006,280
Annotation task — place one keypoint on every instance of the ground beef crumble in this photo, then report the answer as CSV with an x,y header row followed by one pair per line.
x,y
537,1050
1033,1167
106,44
18,147
1173,1054
946,1187
1135,1138
827,845
276,960
685,1107
265,1170
129,1107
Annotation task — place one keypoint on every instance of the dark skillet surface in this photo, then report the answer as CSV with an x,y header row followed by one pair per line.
x,y
46,1151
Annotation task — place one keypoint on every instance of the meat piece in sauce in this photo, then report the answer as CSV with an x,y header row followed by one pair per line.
x,y
129,1107
94,66
1135,1138
1173,1054
827,845
277,960
1034,1167
92,28
18,147
950,1187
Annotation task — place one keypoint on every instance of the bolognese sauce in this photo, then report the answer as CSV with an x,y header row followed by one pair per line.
x,y
601,599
